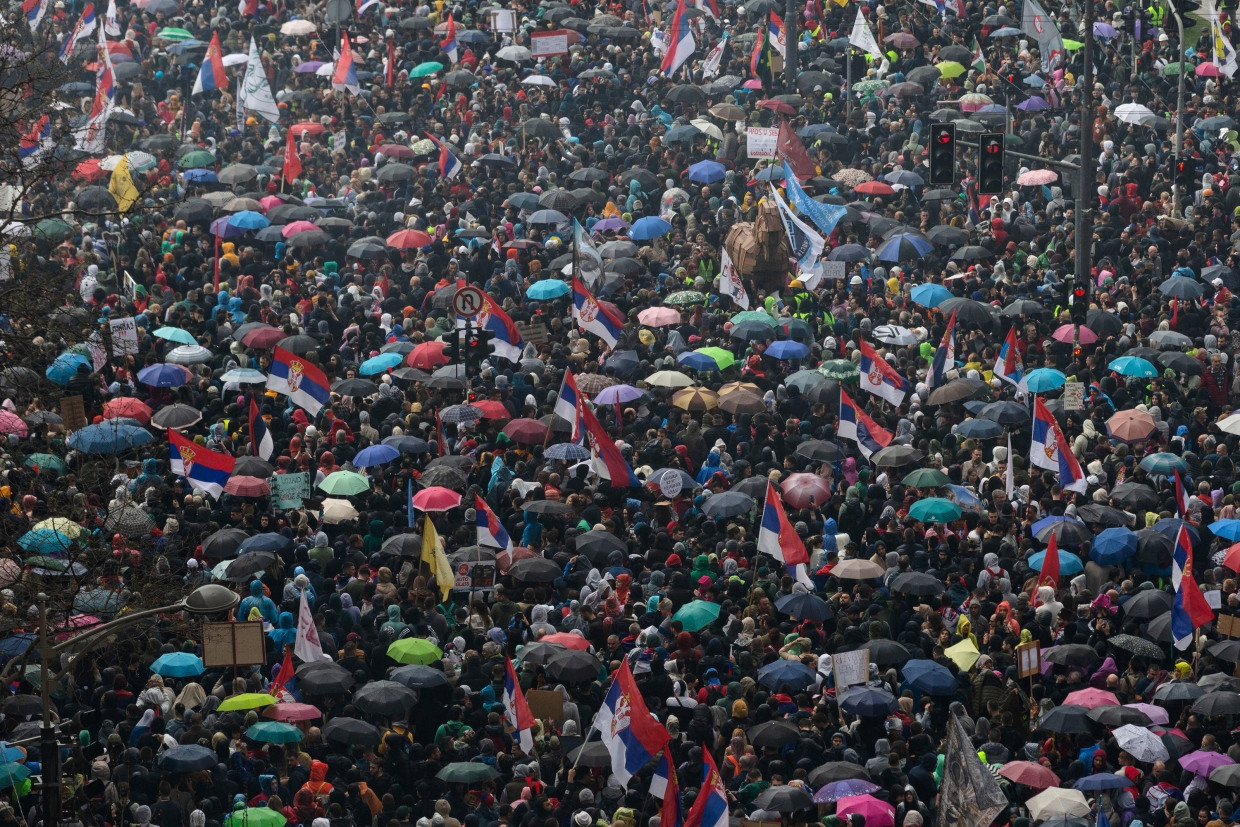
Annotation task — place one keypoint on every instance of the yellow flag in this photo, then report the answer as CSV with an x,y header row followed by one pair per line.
x,y
435,559
121,186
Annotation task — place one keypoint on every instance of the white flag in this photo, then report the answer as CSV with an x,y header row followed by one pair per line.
x,y
713,60
307,646
730,282
112,23
1036,23
807,245
1224,54
863,38
256,91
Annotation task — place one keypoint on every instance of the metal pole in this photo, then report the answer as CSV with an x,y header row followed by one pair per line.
x,y
1084,246
790,46
1179,117
848,82
49,750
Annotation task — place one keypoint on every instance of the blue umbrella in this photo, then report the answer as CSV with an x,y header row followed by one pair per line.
x,y
200,176
1114,546
1102,780
45,541
220,227
375,455
163,375
10,753
66,364
930,677
13,774
249,220
380,363
903,247
649,227
1042,380
979,429
1170,528
1164,463
1035,81
1069,563
268,541
787,350
697,361
178,665
931,295
547,289
16,645
106,438
850,253
707,172
1047,522
770,174
963,497
786,674
1133,366
1227,529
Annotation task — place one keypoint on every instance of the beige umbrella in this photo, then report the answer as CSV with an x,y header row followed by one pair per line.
x,y
1057,801
708,128
733,387
728,112
857,569
337,511
742,402
668,379
695,400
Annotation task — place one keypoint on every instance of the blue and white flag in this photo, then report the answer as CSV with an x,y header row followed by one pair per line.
x,y
824,216
807,245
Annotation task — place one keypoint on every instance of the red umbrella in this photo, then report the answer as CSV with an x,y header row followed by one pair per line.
x,y
528,431
778,106
492,409
566,639
89,170
408,240
398,151
805,490
1231,557
436,498
1029,774
243,486
1067,334
263,338
292,712
127,406
427,356
307,128
874,188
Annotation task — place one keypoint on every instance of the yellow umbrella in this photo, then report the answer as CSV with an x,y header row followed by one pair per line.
x,y
695,400
964,654
247,700
62,524
950,69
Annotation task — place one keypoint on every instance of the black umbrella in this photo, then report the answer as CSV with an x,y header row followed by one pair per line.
x,y
784,799
223,543
419,677
819,450
1181,362
21,705
804,606
592,754
728,504
968,311
1228,650
774,734
1159,629
1154,546
95,199
1005,413
644,178
539,128
187,758
193,211
444,477
324,678
1023,307
352,731
301,344
1103,323
408,444
837,771
558,199
1178,691
1217,703
246,565
686,94
599,544
918,584
894,456
402,545
1067,532
549,508
958,390
1103,515
1147,604
1067,720
885,653
573,666
384,698
1114,716
540,652
945,235
355,386
534,570
1135,495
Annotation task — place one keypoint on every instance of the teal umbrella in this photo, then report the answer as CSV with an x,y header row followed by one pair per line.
x,y
934,510
274,732
46,541
697,615
1164,463
1043,380
13,774
46,462
1133,366
430,67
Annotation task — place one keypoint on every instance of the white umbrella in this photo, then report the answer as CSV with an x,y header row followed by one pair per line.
x,y
326,70
1057,801
514,54
708,128
296,28
338,511
668,379
189,355
236,59
245,376
894,334
1230,424
1141,744
1133,113
539,80
138,161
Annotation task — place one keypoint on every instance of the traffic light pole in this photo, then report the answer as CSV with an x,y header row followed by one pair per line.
x,y
1179,119
1085,176
790,46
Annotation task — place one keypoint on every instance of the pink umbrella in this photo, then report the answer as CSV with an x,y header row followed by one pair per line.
x,y
1067,334
437,498
1091,698
292,712
805,490
270,202
1037,177
1157,714
1203,762
75,625
877,813
11,423
752,83
296,227
659,316
1208,70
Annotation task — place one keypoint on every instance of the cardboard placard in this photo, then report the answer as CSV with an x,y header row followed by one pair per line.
x,y
503,21
546,703
1028,659
474,576
1228,626
834,270
124,337
533,332
73,412
851,668
549,44
761,141
1073,396
290,490
233,643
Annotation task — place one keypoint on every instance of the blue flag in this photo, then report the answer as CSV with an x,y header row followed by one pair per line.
x,y
824,216
409,503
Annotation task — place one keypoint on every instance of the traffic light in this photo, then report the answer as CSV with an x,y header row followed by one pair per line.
x,y
943,154
478,347
990,164
1080,304
452,347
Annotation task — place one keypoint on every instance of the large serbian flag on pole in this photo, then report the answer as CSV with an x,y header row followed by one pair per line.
x,y
206,471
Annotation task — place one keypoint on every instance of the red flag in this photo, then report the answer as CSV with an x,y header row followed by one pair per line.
x,y
292,163
793,151
391,63
286,672
1049,576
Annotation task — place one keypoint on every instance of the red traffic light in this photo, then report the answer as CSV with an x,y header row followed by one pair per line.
x,y
945,136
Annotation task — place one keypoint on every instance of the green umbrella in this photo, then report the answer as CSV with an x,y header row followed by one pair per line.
x,y
414,650
870,85
754,316
685,297
50,563
723,358
255,817
934,510
841,370
246,700
467,772
53,229
1072,45
424,69
46,462
344,484
697,615
1174,68
274,732
13,774
926,478
173,33
196,159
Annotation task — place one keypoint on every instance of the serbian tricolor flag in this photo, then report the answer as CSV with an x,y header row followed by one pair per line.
x,y
449,165
517,711
1181,496
205,471
441,435
779,34
680,42
1008,366
880,378
777,538
36,143
665,786
709,6
345,76
857,426
944,356
631,734
507,342
1189,609
594,317
292,162
448,44
710,808
260,437
608,462
300,380
1049,575
248,8
84,28
363,5
211,77
1051,450
34,11
491,532
566,402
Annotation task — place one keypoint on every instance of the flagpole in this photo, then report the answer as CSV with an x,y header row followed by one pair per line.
x,y
848,82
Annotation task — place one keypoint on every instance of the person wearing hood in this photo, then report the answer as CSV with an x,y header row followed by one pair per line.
x,y
260,602
285,634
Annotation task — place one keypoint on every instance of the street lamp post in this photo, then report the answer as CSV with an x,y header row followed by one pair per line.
x,y
205,600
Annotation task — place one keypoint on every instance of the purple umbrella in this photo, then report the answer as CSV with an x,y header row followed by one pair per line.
x,y
1204,763
1104,29
839,789
223,229
308,67
1034,104
613,225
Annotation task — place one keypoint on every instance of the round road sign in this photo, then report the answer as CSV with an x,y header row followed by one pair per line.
x,y
468,301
